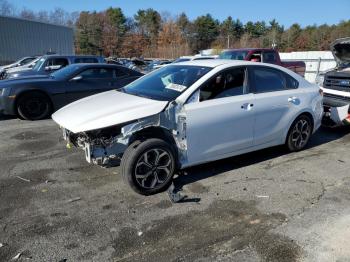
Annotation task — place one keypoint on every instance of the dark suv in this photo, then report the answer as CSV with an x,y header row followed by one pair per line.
x,y
50,63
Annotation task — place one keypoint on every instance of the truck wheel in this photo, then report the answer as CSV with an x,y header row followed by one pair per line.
x,y
148,166
33,106
299,133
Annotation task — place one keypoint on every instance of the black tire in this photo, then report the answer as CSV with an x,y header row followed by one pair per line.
x,y
33,106
299,133
134,168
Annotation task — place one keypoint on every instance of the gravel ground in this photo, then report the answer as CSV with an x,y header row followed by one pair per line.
x,y
265,206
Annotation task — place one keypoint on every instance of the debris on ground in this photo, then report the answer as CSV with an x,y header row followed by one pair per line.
x,y
23,179
139,233
63,260
74,199
16,257
261,196
174,194
176,197
2,245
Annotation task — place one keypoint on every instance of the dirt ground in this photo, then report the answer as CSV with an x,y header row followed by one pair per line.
x,y
265,206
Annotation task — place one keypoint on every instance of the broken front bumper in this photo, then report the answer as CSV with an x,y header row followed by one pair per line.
x,y
103,155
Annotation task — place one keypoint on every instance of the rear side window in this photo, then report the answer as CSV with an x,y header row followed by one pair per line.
x,y
270,57
97,73
270,80
85,60
57,61
120,73
291,83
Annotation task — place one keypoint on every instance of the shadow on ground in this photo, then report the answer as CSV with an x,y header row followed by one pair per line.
x,y
200,172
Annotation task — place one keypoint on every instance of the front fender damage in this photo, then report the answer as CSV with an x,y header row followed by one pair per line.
x,y
105,147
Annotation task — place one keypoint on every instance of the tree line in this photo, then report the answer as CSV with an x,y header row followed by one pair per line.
x,y
152,34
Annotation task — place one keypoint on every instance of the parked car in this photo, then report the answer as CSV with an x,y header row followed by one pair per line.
x,y
335,84
265,55
20,62
25,67
34,98
47,64
190,113
156,64
192,58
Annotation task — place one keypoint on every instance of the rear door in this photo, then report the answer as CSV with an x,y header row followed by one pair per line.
x,y
277,98
222,121
92,81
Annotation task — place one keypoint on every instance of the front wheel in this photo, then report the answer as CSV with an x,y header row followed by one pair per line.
x,y
148,166
299,133
33,106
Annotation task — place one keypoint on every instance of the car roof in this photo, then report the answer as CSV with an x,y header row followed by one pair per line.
x,y
72,56
96,65
216,62
249,49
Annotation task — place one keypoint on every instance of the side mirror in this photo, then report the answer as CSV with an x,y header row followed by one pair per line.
x,y
77,78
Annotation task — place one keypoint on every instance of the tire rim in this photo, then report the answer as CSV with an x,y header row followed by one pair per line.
x,y
35,107
300,133
153,168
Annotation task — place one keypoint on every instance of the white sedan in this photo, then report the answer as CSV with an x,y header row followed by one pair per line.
x,y
190,113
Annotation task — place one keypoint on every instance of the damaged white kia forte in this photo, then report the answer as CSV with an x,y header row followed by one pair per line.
x,y
191,113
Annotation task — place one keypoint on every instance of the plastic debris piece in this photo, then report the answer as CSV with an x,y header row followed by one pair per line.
x,y
261,196
17,256
2,245
74,199
174,194
139,233
23,179
44,190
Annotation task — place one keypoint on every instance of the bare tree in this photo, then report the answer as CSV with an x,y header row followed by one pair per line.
x,y
6,8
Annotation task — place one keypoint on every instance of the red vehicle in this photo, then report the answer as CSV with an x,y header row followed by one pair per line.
x,y
265,55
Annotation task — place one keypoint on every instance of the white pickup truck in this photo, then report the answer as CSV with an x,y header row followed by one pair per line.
x,y
335,84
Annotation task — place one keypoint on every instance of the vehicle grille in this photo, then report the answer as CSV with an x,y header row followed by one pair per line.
x,y
337,83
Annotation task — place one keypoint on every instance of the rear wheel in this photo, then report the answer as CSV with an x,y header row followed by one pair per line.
x,y
33,106
148,167
299,133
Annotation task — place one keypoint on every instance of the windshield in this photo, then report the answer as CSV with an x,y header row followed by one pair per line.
x,y
235,55
167,83
38,64
65,72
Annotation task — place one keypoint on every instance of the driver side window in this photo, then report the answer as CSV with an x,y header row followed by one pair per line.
x,y
225,84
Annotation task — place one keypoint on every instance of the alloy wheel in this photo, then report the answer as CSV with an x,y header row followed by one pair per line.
x,y
153,168
301,133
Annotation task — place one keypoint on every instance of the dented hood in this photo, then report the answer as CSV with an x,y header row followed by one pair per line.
x,y
105,109
341,50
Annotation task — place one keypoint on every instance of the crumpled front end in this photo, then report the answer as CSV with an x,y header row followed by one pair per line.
x,y
106,146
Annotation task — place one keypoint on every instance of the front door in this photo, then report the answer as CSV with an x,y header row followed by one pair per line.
x,y
221,122
89,82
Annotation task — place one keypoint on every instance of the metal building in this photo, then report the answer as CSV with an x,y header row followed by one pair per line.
x,y
21,37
